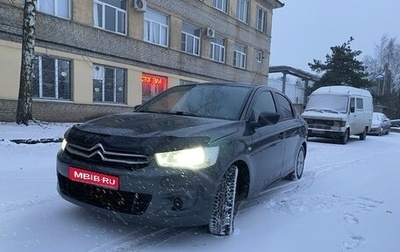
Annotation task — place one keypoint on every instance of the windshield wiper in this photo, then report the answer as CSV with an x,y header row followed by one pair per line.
x,y
331,110
185,113
312,109
321,110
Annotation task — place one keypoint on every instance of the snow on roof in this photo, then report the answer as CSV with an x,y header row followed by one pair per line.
x,y
342,90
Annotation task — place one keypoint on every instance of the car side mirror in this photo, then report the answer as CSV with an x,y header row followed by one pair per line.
x,y
267,118
352,109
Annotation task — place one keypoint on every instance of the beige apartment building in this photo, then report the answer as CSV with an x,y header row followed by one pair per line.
x,y
96,57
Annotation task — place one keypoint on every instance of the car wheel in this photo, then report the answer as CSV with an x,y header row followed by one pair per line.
x,y
299,165
345,137
380,131
363,135
224,208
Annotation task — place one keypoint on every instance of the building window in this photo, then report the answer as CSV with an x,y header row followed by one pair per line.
x,y
259,56
217,51
152,85
261,19
190,41
109,84
239,56
242,8
52,78
58,8
156,28
110,15
220,5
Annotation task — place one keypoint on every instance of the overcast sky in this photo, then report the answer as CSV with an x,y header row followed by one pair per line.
x,y
304,30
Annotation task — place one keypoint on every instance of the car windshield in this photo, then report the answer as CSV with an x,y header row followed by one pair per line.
x,y
327,103
376,118
202,100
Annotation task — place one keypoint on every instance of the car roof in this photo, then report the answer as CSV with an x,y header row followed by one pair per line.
x,y
240,84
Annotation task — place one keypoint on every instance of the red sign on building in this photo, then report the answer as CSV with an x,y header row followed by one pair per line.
x,y
152,85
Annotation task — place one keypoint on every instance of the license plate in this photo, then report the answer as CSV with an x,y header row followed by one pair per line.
x,y
93,178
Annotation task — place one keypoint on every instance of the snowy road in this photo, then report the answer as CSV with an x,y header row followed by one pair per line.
x,y
348,200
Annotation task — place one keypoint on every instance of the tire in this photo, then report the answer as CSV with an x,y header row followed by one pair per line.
x,y
363,135
299,165
345,138
225,205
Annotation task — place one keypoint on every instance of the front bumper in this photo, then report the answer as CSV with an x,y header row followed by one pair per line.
x,y
325,133
150,195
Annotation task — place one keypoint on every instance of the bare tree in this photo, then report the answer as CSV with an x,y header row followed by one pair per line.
x,y
27,73
384,66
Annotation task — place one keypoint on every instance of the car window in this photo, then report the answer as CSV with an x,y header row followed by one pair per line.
x,y
285,109
264,103
360,104
214,101
352,105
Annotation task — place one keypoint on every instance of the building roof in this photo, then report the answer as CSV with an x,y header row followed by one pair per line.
x,y
275,3
293,71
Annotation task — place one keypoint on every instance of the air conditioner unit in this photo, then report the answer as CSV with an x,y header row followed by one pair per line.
x,y
210,33
140,5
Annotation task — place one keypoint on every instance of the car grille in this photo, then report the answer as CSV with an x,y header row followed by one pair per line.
x,y
323,122
101,155
319,124
118,201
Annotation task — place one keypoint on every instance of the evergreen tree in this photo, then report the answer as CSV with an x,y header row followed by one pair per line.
x,y
341,68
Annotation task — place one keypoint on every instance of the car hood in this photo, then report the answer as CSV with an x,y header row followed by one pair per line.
x,y
150,132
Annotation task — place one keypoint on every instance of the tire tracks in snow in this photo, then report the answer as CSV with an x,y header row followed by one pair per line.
x,y
141,238
285,188
27,203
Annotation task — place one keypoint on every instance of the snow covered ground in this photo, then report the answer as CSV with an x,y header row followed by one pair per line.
x,y
348,200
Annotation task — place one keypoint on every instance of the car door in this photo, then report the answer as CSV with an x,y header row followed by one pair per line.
x,y
358,119
290,126
268,145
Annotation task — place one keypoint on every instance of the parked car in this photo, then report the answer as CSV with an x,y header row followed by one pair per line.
x,y
187,157
338,112
395,123
380,124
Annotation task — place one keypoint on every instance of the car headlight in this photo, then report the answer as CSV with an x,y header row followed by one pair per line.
x,y
196,158
339,123
63,144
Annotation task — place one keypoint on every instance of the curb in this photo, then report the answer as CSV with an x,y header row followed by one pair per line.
x,y
36,141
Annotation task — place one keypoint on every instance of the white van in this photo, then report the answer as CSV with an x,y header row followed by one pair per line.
x,y
338,112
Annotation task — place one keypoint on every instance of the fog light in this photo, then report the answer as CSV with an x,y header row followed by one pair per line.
x,y
177,203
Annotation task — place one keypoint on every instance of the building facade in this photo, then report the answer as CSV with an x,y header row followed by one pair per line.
x,y
96,57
